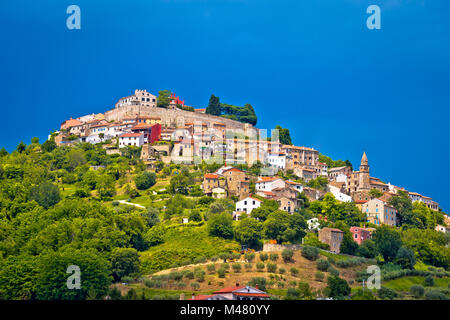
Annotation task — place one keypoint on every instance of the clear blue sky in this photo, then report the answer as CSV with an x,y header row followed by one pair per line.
x,y
311,66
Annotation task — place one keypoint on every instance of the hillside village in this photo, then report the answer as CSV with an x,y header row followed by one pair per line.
x,y
171,139
160,200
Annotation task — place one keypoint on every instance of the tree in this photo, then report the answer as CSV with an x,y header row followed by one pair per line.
x,y
375,193
152,216
403,204
367,249
52,278
145,180
405,258
180,183
388,242
163,98
348,245
221,225
284,135
337,288
125,262
214,107
318,183
287,255
46,194
248,232
48,146
106,186
284,227
21,147
195,215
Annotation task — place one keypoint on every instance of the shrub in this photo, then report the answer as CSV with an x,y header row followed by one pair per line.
x,y
181,285
323,264
274,256
127,279
211,268
200,275
195,286
258,281
282,270
177,276
145,180
271,267
260,266
294,271
310,253
287,255
342,263
226,266
435,295
417,291
334,272
189,274
292,294
236,256
248,266
249,256
337,287
429,281
263,257
221,272
320,276
236,267
387,293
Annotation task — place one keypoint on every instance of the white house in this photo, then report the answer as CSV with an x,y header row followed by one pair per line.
x,y
297,186
131,139
339,195
313,224
269,183
441,228
276,160
248,204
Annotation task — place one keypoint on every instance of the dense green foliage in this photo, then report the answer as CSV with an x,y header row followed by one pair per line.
x,y
244,114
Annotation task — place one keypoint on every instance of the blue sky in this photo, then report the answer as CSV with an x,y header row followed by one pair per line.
x,y
311,66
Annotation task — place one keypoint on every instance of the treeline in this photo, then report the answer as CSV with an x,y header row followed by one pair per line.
x,y
244,114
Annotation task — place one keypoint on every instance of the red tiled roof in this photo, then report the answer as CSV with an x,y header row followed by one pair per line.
x,y
127,135
71,123
211,176
229,289
233,169
360,201
268,179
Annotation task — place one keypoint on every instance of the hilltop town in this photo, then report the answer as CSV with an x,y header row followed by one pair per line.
x,y
155,199
173,135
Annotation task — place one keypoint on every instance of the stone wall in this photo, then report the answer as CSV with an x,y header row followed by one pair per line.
x,y
174,117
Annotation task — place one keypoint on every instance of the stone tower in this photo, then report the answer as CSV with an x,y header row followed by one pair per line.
x,y
364,174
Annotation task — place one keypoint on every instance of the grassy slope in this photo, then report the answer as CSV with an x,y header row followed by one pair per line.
x,y
182,242
278,287
405,283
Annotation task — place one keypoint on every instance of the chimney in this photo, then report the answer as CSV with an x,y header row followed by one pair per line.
x,y
257,286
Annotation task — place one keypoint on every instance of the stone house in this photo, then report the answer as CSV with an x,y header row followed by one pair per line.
x,y
379,212
333,237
